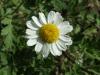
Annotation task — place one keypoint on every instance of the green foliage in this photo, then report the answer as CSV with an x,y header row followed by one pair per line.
x,y
82,58
58,5
7,33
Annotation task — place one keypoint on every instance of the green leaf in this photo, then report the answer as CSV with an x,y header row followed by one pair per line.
x,y
90,17
77,29
5,30
9,37
5,71
6,21
67,73
93,56
98,22
8,11
1,11
90,31
58,4
3,58
16,2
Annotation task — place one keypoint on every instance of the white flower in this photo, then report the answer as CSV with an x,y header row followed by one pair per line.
x,y
48,34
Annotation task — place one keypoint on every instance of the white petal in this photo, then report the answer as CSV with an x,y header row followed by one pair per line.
x,y
35,19
30,25
30,32
31,36
65,27
31,42
58,18
38,46
61,45
51,16
66,39
51,50
55,51
45,50
42,18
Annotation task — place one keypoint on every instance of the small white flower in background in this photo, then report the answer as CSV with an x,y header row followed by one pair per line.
x,y
48,34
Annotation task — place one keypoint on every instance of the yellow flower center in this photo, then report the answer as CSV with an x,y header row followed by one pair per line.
x,y
49,33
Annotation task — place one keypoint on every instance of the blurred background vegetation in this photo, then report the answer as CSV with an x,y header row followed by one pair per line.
x,y
82,58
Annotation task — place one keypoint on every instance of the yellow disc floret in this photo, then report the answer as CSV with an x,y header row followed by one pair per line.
x,y
49,33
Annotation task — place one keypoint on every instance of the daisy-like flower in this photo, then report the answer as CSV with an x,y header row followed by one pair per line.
x,y
48,34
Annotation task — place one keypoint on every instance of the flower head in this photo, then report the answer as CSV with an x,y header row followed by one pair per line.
x,y
48,34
